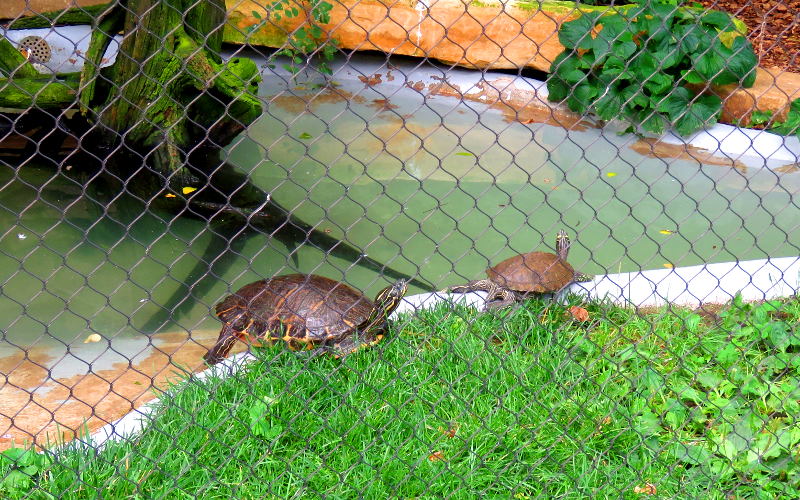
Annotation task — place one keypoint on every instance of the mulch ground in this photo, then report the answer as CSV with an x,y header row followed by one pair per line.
x,y
774,29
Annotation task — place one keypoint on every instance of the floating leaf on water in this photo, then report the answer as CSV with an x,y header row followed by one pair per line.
x,y
170,195
464,153
611,174
305,135
93,338
187,190
666,231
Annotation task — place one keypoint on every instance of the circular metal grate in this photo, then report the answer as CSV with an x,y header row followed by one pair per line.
x,y
35,48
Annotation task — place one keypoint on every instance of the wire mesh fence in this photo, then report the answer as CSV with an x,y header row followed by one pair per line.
x,y
359,249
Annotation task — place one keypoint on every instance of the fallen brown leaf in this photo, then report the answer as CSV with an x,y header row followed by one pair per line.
x,y
578,313
451,430
647,489
436,456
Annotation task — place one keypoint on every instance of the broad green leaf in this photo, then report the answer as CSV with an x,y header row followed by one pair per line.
x,y
609,104
557,89
694,38
644,65
582,97
754,387
710,63
709,380
659,83
652,121
648,423
14,455
727,355
16,480
728,450
720,20
740,64
632,97
703,112
577,34
675,103
690,453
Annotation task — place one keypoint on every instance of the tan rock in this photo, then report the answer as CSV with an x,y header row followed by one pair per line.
x,y
11,9
479,35
774,91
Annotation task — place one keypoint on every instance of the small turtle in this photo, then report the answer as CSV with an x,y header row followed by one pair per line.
x,y
533,272
304,310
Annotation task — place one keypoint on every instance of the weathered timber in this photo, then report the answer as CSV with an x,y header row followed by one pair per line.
x,y
108,23
78,15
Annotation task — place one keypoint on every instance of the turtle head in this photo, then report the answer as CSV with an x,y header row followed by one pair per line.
x,y
389,298
562,244
386,302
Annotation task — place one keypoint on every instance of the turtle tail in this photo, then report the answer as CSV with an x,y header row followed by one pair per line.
x,y
227,338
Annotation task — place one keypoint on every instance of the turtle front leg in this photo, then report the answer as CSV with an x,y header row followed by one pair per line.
x,y
474,286
347,345
490,287
496,296
227,338
503,297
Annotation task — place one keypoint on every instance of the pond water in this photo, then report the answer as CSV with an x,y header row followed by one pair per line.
x,y
440,188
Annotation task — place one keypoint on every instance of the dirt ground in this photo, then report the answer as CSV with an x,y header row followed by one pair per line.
x,y
774,29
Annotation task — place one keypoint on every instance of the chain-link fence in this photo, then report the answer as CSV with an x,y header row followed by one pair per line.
x,y
522,250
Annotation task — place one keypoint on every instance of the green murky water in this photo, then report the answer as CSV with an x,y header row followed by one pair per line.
x,y
429,187
442,189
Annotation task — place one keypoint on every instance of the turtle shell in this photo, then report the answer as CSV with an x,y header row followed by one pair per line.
x,y
540,272
295,308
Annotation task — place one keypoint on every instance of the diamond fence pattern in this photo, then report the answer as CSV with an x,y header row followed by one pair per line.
x,y
322,185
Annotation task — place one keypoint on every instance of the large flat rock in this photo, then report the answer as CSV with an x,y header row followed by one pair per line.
x,y
496,35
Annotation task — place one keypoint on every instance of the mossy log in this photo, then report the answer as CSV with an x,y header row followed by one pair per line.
x,y
169,85
168,90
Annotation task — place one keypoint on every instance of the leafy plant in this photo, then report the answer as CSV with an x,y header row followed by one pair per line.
x,y
260,423
19,468
789,126
646,63
308,41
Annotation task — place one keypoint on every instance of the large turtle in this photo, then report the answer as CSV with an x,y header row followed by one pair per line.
x,y
532,272
304,310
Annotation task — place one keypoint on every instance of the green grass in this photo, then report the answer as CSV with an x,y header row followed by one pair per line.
x,y
517,404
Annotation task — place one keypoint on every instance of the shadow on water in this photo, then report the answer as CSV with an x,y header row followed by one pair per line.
x,y
234,219
232,211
